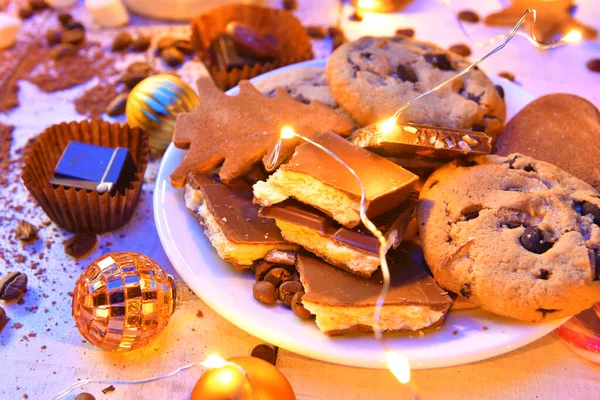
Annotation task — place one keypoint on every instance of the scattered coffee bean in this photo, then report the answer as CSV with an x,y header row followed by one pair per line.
x,y
406,73
172,57
64,19
468,16
407,32
25,12
289,5
266,352
298,307
265,292
72,25
277,276
440,61
507,75
26,232
165,43
38,4
465,290
117,105
500,91
84,396
141,44
140,67
74,37
316,31
184,46
131,79
53,36
356,16
63,50
461,50
594,65
3,319
80,244
281,257
121,42
13,286
262,269
533,240
288,289
337,36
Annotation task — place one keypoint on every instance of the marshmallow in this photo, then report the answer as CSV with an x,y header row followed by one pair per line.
x,y
108,13
61,3
9,27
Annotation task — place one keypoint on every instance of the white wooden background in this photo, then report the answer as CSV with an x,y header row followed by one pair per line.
x,y
546,369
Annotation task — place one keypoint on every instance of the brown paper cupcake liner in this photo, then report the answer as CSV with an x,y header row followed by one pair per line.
x,y
80,210
293,44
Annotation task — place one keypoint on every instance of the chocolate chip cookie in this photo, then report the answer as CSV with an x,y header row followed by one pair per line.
x,y
513,235
373,77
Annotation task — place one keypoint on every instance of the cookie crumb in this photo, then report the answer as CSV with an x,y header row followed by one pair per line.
x,y
111,388
484,328
454,333
199,314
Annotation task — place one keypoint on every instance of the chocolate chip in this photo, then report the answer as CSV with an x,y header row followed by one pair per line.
x,y
298,307
406,74
289,5
461,50
80,244
288,289
172,57
72,25
53,36
277,276
74,37
356,16
433,184
26,232
587,208
546,311
184,46
117,105
465,162
63,50
265,292
140,44
266,352
468,16
544,274
121,41
25,12
529,168
64,19
596,264
507,75
439,61
84,396
3,319
478,128
512,224
407,32
533,240
465,290
471,212
500,91
13,286
475,98
594,65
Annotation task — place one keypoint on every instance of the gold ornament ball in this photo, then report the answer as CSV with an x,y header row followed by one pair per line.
x,y
262,382
122,301
154,104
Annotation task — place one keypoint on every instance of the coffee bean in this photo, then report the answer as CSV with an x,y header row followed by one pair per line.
x,y
53,36
316,31
265,292
140,67
407,32
25,12
406,73
141,44
261,269
64,19
288,289
440,61
500,91
13,286
84,396
289,5
533,240
298,307
468,16
38,4
26,232
465,290
277,276
74,37
356,16
165,43
72,25
3,319
507,75
117,105
131,79
80,244
265,352
594,65
63,50
184,46
461,50
172,57
121,42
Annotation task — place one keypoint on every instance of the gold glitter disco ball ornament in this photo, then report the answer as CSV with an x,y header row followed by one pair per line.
x,y
154,104
124,300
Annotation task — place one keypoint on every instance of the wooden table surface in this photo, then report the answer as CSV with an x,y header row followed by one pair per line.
x,y
47,353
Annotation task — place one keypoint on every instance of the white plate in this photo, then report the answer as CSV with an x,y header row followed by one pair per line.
x,y
229,292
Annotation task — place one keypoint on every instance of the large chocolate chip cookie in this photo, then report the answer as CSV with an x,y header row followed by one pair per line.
x,y
516,236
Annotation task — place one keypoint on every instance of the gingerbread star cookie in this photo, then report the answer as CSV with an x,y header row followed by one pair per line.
x,y
235,132
554,18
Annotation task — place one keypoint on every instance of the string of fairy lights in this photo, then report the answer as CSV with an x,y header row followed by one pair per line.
x,y
395,361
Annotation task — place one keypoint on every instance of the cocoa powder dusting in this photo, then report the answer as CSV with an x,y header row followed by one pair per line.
x,y
5,141
93,101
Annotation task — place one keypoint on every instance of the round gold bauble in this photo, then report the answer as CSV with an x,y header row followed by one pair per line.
x,y
154,104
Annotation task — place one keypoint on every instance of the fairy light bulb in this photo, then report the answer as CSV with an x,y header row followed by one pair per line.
x,y
367,4
398,365
387,126
573,36
214,361
287,132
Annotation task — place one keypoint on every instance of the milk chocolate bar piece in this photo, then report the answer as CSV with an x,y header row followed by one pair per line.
x,y
416,141
343,302
315,178
355,250
231,220
224,54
